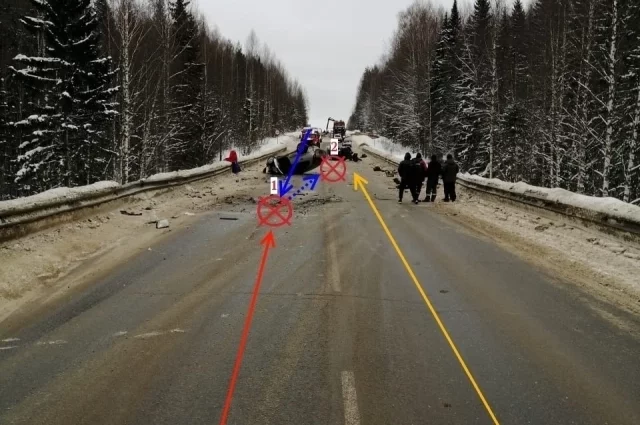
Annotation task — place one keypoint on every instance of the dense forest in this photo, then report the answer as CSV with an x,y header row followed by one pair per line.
x,y
96,90
548,94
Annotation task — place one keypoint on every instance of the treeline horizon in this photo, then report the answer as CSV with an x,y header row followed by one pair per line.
x,y
122,89
548,94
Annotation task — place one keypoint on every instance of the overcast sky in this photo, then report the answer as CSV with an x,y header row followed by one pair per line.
x,y
324,44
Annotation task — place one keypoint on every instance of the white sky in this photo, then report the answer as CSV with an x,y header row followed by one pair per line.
x,y
324,44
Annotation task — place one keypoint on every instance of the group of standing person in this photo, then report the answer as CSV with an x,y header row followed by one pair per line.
x,y
414,171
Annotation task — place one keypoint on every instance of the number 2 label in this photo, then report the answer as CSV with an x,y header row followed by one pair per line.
x,y
334,146
274,186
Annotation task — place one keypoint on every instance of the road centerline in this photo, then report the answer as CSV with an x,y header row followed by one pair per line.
x,y
350,398
360,183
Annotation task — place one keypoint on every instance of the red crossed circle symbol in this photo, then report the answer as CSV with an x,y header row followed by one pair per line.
x,y
274,211
333,172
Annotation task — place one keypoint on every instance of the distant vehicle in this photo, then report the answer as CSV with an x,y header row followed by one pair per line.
x,y
315,138
339,127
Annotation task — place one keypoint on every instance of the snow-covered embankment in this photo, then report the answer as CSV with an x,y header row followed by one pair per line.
x,y
608,214
23,215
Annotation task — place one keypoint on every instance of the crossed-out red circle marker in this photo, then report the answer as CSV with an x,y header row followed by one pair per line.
x,y
333,172
274,211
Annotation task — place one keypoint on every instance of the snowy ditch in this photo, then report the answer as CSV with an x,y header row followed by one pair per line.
x,y
19,217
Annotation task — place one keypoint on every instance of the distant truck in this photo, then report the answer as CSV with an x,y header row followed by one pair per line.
x,y
339,128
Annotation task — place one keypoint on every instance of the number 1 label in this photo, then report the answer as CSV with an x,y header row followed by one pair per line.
x,y
334,146
274,186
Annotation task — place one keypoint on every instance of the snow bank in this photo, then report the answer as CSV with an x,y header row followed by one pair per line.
x,y
266,146
609,206
61,194
65,195
383,146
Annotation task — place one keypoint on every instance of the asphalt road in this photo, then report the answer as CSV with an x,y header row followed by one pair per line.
x,y
340,334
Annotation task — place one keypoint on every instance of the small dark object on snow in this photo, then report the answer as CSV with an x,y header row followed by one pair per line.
x,y
376,168
125,212
446,404
228,218
364,155
542,228
148,208
389,173
443,291
396,180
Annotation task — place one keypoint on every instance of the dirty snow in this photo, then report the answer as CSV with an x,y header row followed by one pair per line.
x,y
610,206
58,194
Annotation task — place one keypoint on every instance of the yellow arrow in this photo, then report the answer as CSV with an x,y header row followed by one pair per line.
x,y
360,183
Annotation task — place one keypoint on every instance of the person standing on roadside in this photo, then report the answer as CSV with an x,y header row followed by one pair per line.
x,y
434,169
420,171
407,178
235,164
449,174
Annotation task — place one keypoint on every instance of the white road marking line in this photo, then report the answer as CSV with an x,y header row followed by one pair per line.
x,y
350,399
121,333
10,340
158,333
148,335
56,342
9,347
334,273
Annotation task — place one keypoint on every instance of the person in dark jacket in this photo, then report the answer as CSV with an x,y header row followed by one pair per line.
x,y
420,169
434,169
407,178
449,174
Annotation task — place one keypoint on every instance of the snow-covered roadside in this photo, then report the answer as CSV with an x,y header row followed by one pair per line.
x,y
266,146
70,194
54,261
383,146
593,259
610,206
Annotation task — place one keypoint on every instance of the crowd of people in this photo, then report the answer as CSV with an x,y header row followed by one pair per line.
x,y
414,171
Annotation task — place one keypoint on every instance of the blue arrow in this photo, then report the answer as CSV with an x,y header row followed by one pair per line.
x,y
286,187
311,179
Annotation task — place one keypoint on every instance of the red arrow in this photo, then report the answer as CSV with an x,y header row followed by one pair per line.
x,y
268,242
